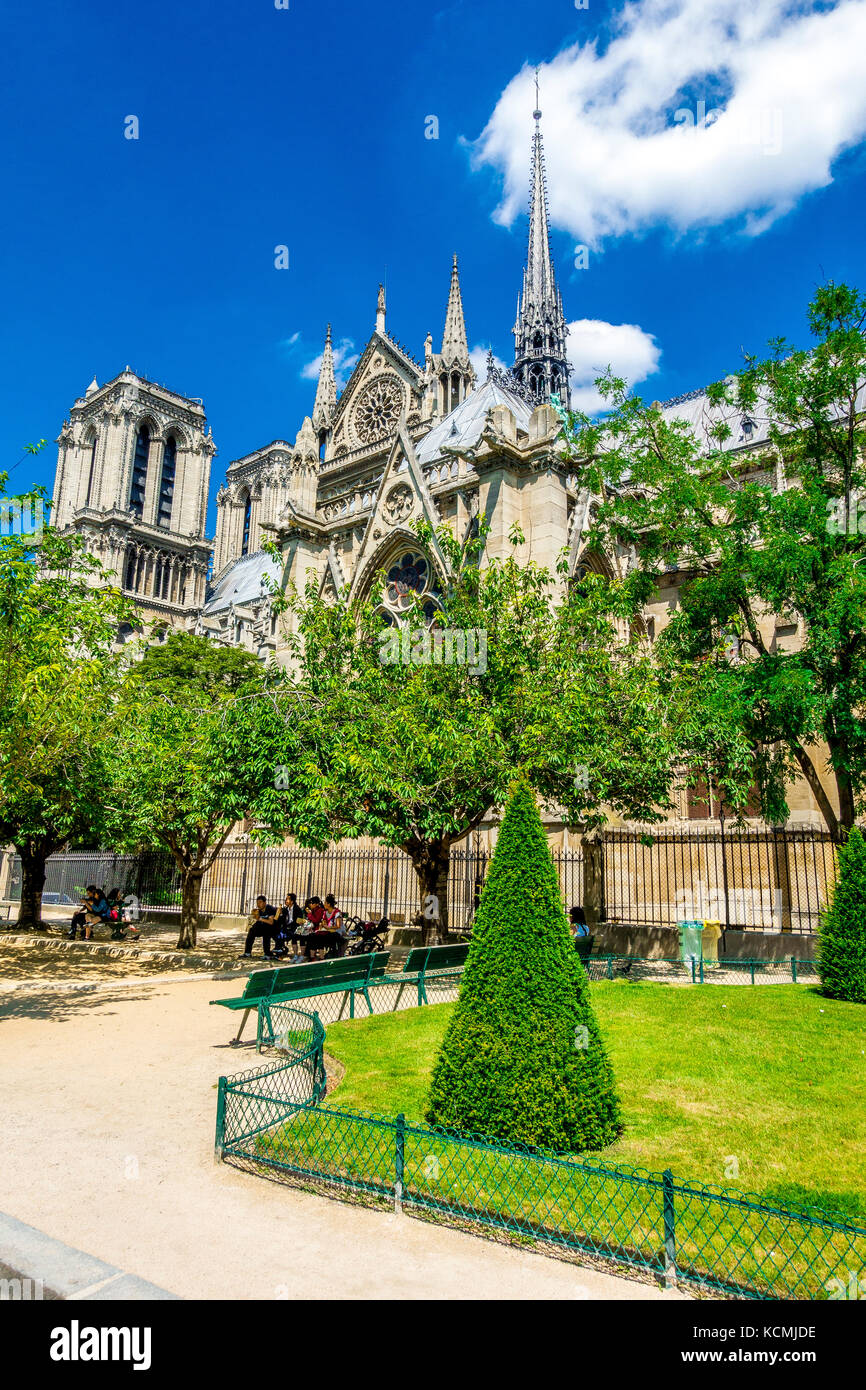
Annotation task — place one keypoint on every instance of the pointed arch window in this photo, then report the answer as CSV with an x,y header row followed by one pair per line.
x,y
131,567
245,539
409,580
536,382
92,471
139,470
166,482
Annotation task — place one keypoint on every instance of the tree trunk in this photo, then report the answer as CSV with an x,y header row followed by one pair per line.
x,y
810,772
33,855
190,891
845,791
432,861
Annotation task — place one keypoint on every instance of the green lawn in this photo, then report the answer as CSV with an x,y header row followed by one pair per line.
x,y
770,1076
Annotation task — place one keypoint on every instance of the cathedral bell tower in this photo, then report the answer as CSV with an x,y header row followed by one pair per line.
x,y
540,332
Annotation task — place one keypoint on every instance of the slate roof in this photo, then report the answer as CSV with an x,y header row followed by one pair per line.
x,y
462,427
242,582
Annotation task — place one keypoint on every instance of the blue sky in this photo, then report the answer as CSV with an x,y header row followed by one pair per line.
x,y
306,127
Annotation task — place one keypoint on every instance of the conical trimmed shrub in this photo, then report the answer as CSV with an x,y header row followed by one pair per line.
x,y
522,1060
842,942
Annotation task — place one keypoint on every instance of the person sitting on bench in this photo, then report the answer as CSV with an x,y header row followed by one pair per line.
x,y
577,921
262,923
328,932
94,908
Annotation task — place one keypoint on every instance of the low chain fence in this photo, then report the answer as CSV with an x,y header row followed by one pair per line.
x,y
746,879
272,1119
697,971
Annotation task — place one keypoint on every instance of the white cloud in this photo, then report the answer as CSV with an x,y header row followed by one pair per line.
x,y
593,346
345,359
478,358
785,78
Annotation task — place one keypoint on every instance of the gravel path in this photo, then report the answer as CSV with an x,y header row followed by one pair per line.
x,y
108,1100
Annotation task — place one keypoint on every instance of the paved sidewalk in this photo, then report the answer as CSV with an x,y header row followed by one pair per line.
x,y
108,1100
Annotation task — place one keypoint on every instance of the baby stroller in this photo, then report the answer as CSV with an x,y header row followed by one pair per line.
x,y
364,937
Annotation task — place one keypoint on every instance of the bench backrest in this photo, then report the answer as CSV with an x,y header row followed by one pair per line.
x,y
260,984
424,958
583,946
346,971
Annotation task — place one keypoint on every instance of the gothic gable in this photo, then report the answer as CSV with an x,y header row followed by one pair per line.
x,y
402,498
385,384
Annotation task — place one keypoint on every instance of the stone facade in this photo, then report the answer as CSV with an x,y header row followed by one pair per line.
x,y
406,438
133,475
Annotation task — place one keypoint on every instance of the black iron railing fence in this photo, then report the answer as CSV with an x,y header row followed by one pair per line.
x,y
761,880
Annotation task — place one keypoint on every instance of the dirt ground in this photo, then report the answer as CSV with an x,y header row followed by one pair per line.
x,y
108,1104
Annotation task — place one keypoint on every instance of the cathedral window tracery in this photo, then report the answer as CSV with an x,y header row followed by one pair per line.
x,y
166,483
409,579
139,470
378,409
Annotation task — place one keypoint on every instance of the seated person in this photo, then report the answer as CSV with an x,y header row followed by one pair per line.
x,y
289,922
94,908
263,924
327,928
577,922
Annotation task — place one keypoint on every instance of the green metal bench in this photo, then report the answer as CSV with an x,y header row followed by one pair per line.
x,y
583,946
426,962
347,975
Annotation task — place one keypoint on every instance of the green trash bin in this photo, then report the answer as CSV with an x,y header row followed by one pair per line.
x,y
691,942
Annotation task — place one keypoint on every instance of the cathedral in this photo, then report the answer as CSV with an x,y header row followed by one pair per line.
x,y
406,438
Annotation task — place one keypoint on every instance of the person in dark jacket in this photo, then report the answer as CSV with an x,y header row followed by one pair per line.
x,y
263,924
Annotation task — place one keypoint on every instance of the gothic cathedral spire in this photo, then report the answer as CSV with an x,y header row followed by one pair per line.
x,y
326,392
540,331
452,368
454,343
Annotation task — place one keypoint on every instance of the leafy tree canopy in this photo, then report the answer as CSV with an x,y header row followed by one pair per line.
x,y
779,532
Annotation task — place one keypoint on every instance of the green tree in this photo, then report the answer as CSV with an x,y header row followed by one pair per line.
x,y
185,764
60,673
522,1060
375,736
842,943
781,531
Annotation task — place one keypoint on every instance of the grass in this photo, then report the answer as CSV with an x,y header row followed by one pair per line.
x,y
759,1088
753,1090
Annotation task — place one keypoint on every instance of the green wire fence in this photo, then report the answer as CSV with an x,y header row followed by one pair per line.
x,y
711,1238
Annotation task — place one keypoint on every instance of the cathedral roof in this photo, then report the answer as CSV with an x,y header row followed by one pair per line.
x,y
243,582
464,425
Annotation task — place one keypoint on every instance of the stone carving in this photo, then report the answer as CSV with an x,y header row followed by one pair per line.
x,y
398,504
378,408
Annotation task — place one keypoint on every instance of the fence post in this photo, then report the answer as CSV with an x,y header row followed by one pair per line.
x,y
610,967
219,1145
752,969
692,959
794,969
701,968
670,1274
399,1156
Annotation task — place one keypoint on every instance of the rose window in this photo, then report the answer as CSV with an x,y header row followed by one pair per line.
x,y
411,578
378,409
